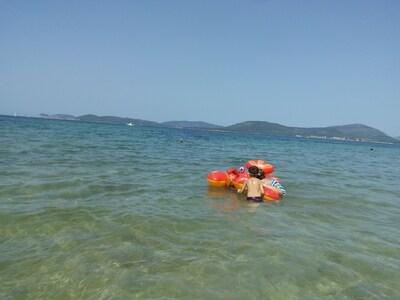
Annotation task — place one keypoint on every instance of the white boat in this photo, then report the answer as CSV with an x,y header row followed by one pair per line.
x,y
130,124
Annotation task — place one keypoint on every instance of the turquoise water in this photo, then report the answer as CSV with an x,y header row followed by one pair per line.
x,y
97,211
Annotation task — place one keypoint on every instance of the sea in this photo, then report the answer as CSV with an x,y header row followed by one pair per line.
x,y
110,211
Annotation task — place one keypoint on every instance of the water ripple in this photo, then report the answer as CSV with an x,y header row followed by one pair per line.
x,y
97,211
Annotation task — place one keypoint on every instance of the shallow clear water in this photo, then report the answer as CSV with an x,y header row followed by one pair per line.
x,y
97,211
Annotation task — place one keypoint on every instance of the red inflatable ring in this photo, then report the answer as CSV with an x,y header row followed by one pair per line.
x,y
266,167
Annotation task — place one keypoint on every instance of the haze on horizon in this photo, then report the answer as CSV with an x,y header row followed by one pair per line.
x,y
297,63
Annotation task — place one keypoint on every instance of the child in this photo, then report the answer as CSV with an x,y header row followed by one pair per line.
x,y
254,186
271,183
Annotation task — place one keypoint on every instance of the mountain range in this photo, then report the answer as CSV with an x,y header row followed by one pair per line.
x,y
352,132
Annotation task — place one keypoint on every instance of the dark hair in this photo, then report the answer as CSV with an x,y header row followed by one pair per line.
x,y
253,170
261,174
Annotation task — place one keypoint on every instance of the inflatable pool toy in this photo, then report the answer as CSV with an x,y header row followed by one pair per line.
x,y
219,179
236,178
232,173
239,180
270,195
266,167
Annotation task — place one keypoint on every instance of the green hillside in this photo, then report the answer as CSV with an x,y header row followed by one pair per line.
x,y
116,120
352,132
191,124
356,132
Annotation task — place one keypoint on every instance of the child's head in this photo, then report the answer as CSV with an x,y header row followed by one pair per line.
x,y
253,171
261,174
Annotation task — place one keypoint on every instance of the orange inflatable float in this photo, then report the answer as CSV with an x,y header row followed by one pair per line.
x,y
235,178
266,167
239,180
219,179
270,195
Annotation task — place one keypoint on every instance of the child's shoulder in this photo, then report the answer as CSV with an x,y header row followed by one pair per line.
x,y
254,179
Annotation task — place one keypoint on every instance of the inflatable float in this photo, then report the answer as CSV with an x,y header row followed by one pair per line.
x,y
236,178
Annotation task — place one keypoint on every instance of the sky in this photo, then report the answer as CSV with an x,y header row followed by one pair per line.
x,y
302,63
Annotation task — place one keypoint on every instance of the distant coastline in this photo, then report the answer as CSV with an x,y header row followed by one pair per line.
x,y
352,132
59,117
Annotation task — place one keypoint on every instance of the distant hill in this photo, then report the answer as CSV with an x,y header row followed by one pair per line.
x,y
356,132
119,120
191,124
352,132
58,117
116,120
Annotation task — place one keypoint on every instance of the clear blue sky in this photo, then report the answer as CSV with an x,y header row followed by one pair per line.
x,y
297,63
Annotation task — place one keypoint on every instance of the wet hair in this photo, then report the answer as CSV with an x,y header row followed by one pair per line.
x,y
253,170
261,174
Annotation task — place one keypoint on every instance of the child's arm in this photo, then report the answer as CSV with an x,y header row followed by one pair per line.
x,y
276,184
243,187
